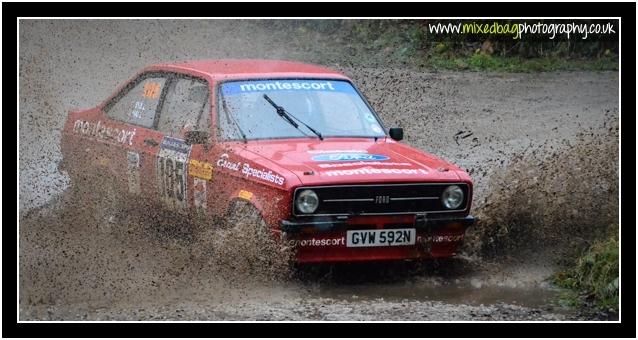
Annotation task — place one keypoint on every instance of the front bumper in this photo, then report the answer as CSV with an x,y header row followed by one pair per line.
x,y
335,223
324,239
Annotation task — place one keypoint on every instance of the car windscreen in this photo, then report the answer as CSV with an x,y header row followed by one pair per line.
x,y
332,107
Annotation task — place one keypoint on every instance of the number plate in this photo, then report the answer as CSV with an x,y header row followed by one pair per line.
x,y
381,237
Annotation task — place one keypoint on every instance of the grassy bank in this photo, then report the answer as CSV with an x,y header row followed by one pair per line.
x,y
407,43
593,279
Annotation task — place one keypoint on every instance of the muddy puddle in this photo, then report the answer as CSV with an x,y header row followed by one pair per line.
x,y
465,292
458,281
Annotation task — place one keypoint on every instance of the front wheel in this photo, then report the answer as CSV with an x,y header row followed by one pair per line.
x,y
245,243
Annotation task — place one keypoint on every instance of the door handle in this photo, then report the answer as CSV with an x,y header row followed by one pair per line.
x,y
150,142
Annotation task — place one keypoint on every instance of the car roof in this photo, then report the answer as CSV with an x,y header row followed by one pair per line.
x,y
247,68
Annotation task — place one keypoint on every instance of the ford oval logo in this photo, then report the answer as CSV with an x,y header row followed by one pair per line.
x,y
349,157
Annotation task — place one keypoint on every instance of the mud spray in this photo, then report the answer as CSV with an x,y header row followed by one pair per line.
x,y
550,202
70,257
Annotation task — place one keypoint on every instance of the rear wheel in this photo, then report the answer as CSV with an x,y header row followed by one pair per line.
x,y
99,198
109,210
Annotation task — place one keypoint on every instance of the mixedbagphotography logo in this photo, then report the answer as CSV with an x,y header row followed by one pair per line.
x,y
527,29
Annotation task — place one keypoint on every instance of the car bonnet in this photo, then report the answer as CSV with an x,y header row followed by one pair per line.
x,y
354,160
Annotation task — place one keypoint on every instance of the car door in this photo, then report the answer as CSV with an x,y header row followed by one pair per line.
x,y
183,171
135,109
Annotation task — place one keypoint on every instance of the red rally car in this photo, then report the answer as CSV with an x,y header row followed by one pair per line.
x,y
298,142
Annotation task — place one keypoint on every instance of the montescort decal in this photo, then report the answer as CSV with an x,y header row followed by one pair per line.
x,y
201,170
199,193
323,242
133,172
240,87
349,157
439,238
171,171
348,164
101,131
375,171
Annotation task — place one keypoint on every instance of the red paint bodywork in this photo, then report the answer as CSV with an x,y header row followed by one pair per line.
x,y
288,158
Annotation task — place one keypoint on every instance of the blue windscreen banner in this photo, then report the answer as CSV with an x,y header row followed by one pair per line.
x,y
265,86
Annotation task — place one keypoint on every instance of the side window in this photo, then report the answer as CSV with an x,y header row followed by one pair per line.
x,y
139,105
187,106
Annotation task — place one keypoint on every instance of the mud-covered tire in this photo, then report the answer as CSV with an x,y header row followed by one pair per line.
x,y
245,243
109,210
244,216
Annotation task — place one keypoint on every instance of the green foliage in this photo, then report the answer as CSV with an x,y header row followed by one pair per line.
x,y
416,36
594,276
408,42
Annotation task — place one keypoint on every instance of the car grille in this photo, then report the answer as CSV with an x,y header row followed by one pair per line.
x,y
381,199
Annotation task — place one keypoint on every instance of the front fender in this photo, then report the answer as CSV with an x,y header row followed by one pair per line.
x,y
272,204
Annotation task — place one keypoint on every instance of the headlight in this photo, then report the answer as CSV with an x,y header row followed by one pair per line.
x,y
452,197
307,201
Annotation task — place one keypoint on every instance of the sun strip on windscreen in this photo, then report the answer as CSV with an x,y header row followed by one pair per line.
x,y
240,87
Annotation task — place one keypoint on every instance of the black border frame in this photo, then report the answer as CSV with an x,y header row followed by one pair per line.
x,y
627,328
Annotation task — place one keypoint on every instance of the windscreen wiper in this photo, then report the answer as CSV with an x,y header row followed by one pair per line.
x,y
289,117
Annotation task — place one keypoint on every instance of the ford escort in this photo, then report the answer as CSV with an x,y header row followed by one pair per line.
x,y
297,144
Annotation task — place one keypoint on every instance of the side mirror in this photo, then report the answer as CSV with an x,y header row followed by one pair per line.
x,y
197,137
396,134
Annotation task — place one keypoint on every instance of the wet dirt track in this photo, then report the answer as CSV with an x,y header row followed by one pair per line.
x,y
478,121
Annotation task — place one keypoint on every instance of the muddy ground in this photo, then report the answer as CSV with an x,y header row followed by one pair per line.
x,y
540,134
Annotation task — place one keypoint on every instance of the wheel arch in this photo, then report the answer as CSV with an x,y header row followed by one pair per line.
x,y
242,196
